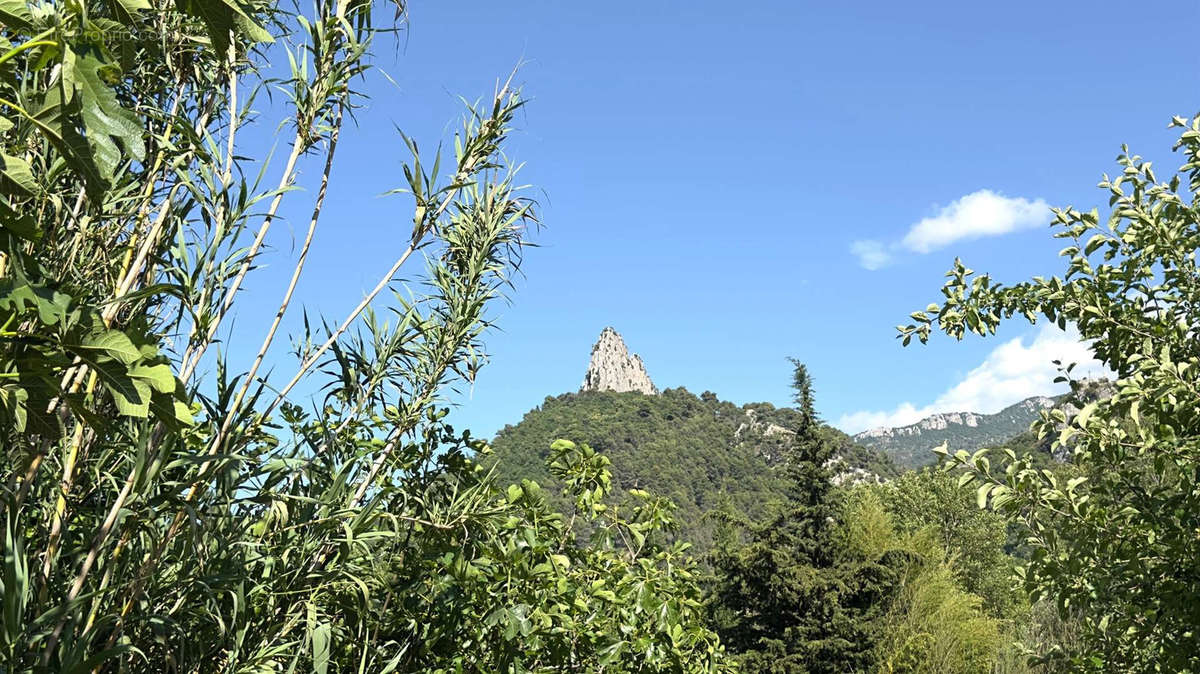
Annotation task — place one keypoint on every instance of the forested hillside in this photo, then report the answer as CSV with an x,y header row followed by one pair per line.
x,y
701,452
912,445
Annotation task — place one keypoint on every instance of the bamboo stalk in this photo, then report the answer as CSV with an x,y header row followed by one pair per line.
x,y
196,350
88,562
287,295
60,504
419,233
192,358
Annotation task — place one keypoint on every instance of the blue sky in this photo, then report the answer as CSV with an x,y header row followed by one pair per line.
x,y
709,172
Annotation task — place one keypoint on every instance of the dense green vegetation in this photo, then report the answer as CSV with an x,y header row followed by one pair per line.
x,y
703,453
931,623
902,576
165,509
933,502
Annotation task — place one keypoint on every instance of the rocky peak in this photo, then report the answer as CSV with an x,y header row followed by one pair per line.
x,y
613,368
909,445
946,420
1038,403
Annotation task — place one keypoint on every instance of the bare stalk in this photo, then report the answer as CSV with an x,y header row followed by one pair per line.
x,y
64,488
195,351
284,303
423,228
88,562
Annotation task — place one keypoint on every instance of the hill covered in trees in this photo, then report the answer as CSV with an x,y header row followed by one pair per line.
x,y
701,452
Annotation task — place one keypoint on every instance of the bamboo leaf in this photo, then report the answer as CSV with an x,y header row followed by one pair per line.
x,y
16,580
320,648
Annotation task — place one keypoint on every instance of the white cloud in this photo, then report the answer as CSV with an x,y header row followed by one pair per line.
x,y
979,214
871,254
903,415
1011,373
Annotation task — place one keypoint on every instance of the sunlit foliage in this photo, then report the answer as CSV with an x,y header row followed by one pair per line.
x,y
165,509
1115,546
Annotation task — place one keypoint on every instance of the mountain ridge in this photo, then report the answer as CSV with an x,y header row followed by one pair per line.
x,y
911,445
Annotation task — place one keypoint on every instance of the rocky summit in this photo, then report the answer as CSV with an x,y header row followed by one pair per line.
x,y
613,368
911,446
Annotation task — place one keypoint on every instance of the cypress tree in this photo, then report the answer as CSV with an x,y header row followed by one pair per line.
x,y
794,599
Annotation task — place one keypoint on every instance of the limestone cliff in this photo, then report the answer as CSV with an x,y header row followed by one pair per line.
x,y
612,368
912,445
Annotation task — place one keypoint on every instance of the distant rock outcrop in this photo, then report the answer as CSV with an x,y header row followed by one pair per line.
x,y
768,429
612,368
911,445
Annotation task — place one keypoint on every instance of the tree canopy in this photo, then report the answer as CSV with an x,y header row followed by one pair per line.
x,y
1115,544
704,453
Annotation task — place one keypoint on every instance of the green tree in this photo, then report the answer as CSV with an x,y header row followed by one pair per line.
x,y
1118,543
517,592
933,625
932,500
795,598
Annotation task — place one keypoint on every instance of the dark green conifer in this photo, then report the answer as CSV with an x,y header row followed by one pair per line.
x,y
794,599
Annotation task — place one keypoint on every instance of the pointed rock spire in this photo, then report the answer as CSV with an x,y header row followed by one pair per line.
x,y
612,368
